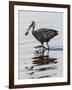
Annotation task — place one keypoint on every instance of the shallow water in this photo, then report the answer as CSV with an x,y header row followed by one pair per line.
x,y
33,66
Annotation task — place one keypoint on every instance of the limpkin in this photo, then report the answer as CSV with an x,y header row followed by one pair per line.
x,y
42,34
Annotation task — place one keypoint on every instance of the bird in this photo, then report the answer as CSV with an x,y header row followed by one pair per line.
x,y
42,34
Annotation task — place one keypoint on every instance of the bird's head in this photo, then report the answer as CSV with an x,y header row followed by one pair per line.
x,y
57,33
31,25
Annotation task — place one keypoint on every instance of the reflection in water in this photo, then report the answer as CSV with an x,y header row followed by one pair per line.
x,y
42,62
42,65
40,50
46,76
41,59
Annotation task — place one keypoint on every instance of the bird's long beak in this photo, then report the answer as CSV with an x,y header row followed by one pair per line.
x,y
26,33
28,29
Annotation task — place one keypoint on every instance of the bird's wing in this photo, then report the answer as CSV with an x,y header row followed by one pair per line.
x,y
47,32
41,30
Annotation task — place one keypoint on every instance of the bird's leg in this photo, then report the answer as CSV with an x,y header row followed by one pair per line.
x,y
43,48
48,47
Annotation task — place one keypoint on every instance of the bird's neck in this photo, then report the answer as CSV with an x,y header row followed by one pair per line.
x,y
33,28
